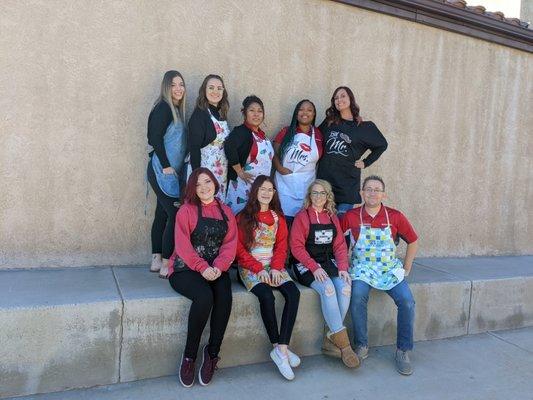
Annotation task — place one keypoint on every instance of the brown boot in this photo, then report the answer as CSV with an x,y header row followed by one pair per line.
x,y
328,348
341,340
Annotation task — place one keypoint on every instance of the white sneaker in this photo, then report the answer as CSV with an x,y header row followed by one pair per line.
x,y
294,360
283,365
156,265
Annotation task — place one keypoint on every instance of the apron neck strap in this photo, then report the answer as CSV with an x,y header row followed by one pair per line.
x,y
386,214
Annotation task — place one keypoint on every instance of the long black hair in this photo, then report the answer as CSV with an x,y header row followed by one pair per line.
x,y
291,130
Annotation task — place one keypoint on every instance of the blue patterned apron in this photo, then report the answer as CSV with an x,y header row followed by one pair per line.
x,y
373,258
175,148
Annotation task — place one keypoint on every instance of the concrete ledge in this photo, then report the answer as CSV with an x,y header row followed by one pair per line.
x,y
62,329
59,329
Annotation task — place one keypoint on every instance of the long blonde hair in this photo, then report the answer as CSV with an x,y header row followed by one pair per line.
x,y
330,197
178,112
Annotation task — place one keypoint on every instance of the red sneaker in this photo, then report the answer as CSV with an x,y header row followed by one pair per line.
x,y
187,371
207,370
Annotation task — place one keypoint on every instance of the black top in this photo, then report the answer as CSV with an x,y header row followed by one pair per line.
x,y
201,132
158,121
237,148
344,144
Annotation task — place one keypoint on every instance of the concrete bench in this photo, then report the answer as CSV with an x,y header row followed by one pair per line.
x,y
73,328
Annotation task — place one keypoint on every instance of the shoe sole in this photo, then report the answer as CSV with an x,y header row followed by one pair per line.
x,y
179,375
200,371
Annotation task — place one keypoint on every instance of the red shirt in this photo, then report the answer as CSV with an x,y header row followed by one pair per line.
x,y
186,220
300,231
318,137
248,261
400,226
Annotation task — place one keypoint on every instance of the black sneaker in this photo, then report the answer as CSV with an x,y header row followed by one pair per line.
x,y
186,371
207,370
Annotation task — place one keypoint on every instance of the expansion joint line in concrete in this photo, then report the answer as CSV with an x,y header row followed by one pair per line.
x,y
121,333
494,335
469,308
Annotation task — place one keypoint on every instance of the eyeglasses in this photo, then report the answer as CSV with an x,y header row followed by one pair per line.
x,y
370,190
314,193
269,190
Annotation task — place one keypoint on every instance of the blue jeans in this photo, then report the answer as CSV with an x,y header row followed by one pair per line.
x,y
402,296
334,301
343,207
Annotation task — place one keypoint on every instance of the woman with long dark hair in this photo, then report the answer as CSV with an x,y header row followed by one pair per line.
x,y
249,153
298,148
346,139
261,255
166,135
208,129
206,242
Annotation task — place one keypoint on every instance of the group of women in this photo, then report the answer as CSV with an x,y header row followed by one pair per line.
x,y
252,201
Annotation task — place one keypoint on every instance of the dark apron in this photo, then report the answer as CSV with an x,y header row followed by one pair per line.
x,y
206,238
319,245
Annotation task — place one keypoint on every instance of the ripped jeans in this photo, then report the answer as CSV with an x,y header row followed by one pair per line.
x,y
334,300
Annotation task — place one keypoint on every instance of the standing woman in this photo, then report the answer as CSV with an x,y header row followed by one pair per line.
x,y
208,130
249,153
167,137
298,148
207,236
317,242
261,255
346,139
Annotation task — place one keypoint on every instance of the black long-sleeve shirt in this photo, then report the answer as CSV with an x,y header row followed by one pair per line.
x,y
237,148
201,132
344,144
158,121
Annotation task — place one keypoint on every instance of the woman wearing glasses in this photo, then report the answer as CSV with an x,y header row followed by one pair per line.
x,y
346,139
317,242
261,255
208,129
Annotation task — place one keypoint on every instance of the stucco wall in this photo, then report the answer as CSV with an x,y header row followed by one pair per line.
x,y
78,79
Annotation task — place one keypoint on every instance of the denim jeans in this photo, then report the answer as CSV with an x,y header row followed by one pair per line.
x,y
334,300
402,296
343,207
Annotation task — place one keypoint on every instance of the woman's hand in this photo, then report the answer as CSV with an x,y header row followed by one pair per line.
x,y
264,277
359,119
246,177
217,273
360,164
275,277
345,276
284,171
209,274
169,171
320,275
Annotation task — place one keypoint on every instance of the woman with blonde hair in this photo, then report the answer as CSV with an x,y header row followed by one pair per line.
x,y
317,243
166,136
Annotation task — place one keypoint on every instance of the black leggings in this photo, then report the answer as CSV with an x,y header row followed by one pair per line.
x,y
268,310
207,297
164,219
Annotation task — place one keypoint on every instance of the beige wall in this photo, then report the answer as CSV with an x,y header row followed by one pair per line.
x,y
78,78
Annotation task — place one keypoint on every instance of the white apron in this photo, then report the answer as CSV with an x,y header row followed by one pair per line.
x,y
213,157
239,190
301,158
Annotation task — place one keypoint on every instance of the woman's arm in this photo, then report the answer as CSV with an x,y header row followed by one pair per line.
x,y
186,220
195,136
297,239
340,250
228,249
281,246
376,143
158,121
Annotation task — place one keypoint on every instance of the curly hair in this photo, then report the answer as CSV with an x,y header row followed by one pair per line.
x,y
247,218
333,116
330,197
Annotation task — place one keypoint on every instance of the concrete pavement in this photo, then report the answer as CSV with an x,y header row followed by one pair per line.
x,y
487,366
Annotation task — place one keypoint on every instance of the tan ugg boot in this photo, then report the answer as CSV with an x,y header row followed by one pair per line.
x,y
341,340
328,348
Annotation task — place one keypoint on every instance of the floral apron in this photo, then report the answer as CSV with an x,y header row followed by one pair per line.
x,y
262,251
214,158
373,258
301,158
175,148
239,190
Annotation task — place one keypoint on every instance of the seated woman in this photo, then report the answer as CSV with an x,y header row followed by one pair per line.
x,y
317,242
261,255
206,242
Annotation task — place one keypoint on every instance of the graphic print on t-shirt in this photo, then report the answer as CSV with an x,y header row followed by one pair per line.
x,y
338,143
